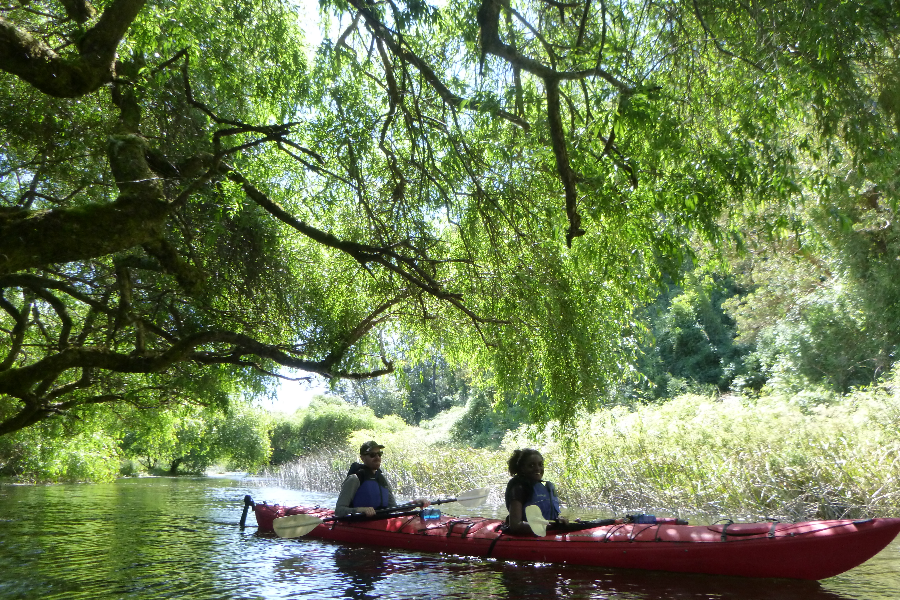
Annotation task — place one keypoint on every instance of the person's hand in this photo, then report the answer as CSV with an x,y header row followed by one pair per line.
x,y
421,502
621,521
367,510
563,520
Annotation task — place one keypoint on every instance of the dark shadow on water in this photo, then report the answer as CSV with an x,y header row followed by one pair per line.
x,y
361,568
313,569
555,581
362,571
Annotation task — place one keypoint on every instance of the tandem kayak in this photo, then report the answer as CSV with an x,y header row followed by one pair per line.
x,y
808,550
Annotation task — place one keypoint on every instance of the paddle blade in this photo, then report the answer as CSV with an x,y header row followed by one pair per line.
x,y
473,497
536,520
294,526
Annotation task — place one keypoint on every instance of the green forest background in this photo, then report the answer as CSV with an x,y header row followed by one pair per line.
x,y
655,240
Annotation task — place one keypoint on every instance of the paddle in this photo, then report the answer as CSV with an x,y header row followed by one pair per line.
x,y
248,502
294,526
535,519
538,523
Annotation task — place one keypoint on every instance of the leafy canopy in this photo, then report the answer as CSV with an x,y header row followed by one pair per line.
x,y
188,206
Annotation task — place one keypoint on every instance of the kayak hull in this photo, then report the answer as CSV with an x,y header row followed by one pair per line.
x,y
809,550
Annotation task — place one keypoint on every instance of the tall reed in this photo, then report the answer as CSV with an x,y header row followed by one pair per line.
x,y
790,457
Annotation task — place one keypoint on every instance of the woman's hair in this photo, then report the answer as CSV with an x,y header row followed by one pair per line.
x,y
518,457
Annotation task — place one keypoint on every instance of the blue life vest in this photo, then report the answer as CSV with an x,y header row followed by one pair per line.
x,y
371,493
372,490
544,497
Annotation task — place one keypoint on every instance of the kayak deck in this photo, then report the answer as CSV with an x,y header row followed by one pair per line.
x,y
808,550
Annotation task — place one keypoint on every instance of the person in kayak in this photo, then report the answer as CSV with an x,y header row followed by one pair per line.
x,y
527,487
365,489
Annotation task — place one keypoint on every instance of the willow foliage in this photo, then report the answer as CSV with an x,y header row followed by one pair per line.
x,y
503,181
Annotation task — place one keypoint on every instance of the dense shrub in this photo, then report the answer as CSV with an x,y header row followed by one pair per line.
x,y
325,424
193,439
692,344
481,425
415,393
793,456
823,301
48,453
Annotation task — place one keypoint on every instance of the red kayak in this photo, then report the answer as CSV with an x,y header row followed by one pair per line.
x,y
809,550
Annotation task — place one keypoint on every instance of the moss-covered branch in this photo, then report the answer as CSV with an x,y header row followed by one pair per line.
x,y
71,75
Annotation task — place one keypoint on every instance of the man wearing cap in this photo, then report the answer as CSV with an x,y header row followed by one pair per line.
x,y
365,489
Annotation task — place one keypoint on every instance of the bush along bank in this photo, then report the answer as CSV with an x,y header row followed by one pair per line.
x,y
784,456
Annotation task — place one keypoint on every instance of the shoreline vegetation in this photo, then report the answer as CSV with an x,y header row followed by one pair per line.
x,y
790,457
786,453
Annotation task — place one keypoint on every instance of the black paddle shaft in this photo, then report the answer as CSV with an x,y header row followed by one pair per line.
x,y
444,501
381,514
402,510
248,502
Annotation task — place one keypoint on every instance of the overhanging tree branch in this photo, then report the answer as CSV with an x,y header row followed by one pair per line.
x,y
406,267
488,19
35,238
33,383
382,32
34,62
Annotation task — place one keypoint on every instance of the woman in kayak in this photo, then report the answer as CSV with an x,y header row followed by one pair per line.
x,y
526,488
365,488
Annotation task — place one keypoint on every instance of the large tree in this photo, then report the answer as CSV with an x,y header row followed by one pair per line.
x,y
187,205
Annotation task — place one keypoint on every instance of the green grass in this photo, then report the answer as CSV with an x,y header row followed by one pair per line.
x,y
790,457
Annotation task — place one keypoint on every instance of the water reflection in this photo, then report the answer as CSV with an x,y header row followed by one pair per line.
x,y
362,570
553,581
367,573
523,580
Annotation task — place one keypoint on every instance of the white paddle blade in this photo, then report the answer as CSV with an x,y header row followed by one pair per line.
x,y
536,520
474,497
294,526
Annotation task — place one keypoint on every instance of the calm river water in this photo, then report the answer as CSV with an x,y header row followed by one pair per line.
x,y
178,538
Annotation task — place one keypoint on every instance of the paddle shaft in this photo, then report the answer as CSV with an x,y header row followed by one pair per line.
x,y
378,515
294,526
473,497
445,501
248,502
386,513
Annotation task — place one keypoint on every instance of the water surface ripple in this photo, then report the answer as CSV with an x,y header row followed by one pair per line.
x,y
178,538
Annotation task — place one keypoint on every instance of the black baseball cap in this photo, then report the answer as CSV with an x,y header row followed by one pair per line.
x,y
370,446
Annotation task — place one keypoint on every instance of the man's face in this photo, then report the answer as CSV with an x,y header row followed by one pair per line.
x,y
372,459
